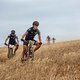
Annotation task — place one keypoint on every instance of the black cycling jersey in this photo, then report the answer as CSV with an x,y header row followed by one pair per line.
x,y
32,33
12,39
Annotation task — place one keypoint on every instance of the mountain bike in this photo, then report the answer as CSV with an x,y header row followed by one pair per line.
x,y
10,51
30,52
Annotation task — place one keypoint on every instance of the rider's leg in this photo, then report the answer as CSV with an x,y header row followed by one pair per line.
x,y
24,53
37,47
16,48
8,52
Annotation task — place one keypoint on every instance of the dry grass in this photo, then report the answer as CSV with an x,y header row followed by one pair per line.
x,y
60,61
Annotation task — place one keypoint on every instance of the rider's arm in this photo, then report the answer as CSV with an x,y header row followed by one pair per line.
x,y
39,37
22,38
17,39
6,39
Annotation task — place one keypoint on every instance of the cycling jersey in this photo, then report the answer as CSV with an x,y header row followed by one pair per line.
x,y
12,39
31,33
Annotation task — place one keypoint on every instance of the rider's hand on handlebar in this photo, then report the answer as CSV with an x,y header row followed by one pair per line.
x,y
22,39
5,43
17,43
40,43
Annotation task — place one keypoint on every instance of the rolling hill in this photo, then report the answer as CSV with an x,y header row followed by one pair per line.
x,y
59,61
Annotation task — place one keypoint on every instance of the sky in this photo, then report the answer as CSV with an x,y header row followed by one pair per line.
x,y
57,18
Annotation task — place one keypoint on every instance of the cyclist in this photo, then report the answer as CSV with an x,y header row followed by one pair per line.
x,y
13,40
29,35
53,39
48,39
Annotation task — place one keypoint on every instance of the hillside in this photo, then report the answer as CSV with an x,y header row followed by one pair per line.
x,y
60,61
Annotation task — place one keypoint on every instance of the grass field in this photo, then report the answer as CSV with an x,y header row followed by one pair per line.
x,y
59,61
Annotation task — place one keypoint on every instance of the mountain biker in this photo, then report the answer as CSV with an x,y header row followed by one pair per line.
x,y
29,35
13,40
53,39
48,39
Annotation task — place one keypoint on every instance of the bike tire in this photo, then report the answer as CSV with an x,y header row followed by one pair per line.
x,y
10,53
31,52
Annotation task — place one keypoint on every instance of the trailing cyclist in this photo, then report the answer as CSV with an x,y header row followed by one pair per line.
x,y
13,40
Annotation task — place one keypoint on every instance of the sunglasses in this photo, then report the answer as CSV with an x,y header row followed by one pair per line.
x,y
13,33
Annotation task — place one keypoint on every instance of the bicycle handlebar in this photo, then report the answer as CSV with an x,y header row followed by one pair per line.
x,y
27,41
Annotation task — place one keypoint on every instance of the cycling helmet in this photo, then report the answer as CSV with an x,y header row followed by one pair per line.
x,y
12,31
36,23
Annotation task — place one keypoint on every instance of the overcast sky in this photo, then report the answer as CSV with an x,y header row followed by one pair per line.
x,y
58,18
